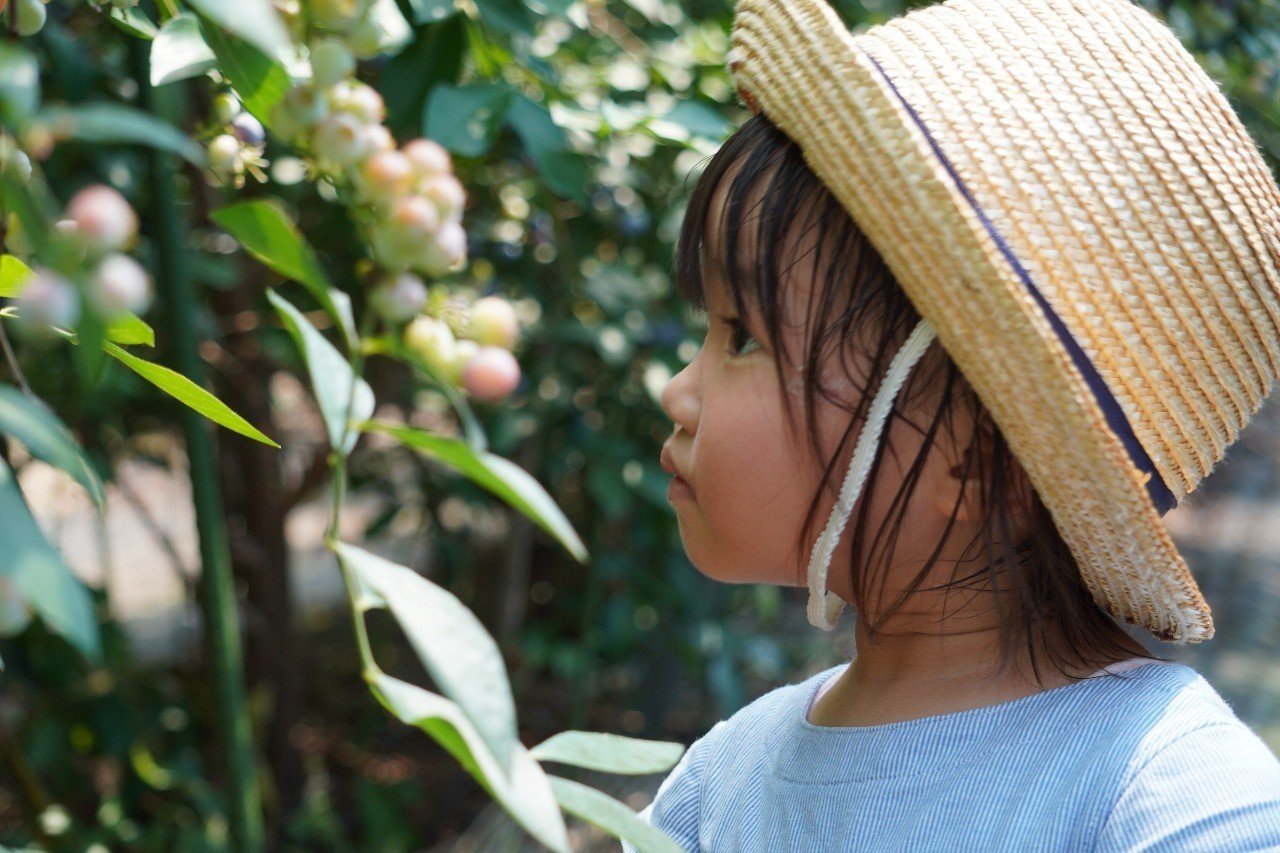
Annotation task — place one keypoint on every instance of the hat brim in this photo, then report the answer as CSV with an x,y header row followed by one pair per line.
x,y
795,61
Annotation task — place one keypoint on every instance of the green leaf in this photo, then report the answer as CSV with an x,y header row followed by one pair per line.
x,y
266,232
114,123
690,118
128,329
526,794
512,17
13,275
134,22
331,378
258,79
393,30
33,423
19,83
611,815
450,641
185,391
254,21
562,169
35,569
610,753
179,51
511,483
466,119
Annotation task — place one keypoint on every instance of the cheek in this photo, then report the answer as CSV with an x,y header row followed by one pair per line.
x,y
752,493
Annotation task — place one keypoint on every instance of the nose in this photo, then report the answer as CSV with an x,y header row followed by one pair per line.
x,y
679,399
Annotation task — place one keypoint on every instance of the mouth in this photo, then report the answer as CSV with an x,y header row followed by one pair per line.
x,y
678,483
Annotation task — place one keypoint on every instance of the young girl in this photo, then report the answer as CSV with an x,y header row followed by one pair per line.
x,y
1020,265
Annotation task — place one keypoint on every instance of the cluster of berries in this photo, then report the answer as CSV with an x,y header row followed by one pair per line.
x,y
90,241
239,149
408,201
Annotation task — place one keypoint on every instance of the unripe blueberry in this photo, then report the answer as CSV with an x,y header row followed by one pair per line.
x,y
224,151
120,283
431,339
339,139
491,374
365,38
299,111
48,299
398,298
331,61
378,138
359,99
446,193
31,17
398,239
384,176
102,218
249,130
464,350
444,251
226,106
429,158
492,321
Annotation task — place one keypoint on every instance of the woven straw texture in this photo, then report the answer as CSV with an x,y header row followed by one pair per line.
x,y
1043,175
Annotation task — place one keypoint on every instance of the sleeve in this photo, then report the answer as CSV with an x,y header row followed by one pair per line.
x,y
676,806
1216,787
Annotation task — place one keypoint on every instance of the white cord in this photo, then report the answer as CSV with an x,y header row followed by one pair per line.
x,y
825,606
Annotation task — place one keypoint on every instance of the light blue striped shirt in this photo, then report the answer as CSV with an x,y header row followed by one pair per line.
x,y
1151,758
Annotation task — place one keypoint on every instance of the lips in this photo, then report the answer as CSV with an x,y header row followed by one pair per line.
x,y
668,462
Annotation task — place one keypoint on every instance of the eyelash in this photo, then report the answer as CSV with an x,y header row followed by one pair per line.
x,y
735,327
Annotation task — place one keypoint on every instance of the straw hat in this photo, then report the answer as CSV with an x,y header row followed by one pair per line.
x,y
1085,225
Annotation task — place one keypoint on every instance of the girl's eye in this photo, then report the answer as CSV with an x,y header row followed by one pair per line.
x,y
738,332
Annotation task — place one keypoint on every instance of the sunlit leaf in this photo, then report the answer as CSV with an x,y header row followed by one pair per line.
x,y
608,752
255,21
35,569
179,51
185,391
461,656
609,814
526,795
13,275
265,230
258,79
33,423
129,329
342,396
511,483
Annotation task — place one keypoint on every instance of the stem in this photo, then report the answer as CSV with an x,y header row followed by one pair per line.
x,y
217,587
332,536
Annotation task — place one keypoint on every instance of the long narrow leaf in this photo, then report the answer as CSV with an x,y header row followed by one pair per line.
x,y
32,566
331,378
511,483
47,438
608,752
528,796
114,123
265,230
611,815
452,644
185,391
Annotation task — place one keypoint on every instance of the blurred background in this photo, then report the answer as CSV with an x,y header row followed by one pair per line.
x,y
577,129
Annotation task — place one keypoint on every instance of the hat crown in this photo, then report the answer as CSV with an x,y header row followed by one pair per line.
x,y
1115,169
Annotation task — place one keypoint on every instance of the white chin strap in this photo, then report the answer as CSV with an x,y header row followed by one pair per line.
x,y
824,605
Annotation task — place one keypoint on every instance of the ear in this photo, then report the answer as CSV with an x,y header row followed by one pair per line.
x,y
968,468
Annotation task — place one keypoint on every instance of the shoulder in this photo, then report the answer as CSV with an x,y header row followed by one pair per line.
x,y
677,806
1199,778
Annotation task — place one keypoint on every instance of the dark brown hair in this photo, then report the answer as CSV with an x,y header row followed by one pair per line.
x,y
1042,596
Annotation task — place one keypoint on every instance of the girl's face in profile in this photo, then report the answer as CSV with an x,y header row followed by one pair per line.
x,y
752,474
